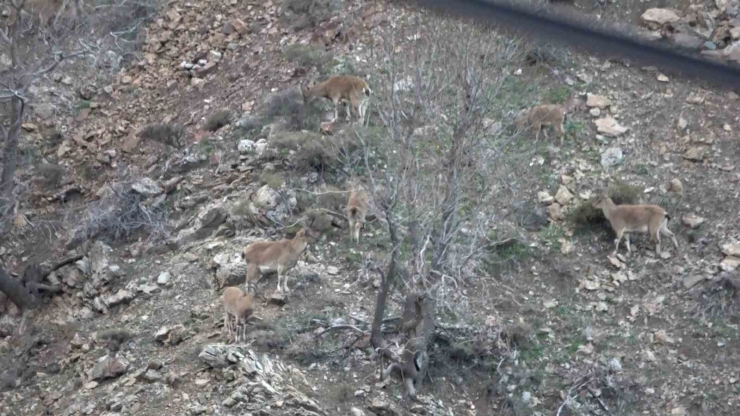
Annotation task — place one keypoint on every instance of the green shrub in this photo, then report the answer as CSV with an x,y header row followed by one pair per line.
x,y
271,179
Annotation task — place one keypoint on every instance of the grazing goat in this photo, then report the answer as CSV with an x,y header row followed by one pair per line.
x,y
542,115
356,211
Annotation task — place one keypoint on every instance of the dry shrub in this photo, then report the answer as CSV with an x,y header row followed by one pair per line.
x,y
217,120
333,199
271,179
51,174
312,151
118,215
302,14
169,134
309,56
288,105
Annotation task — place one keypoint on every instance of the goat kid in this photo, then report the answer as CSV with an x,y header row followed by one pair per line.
x,y
542,115
356,211
240,306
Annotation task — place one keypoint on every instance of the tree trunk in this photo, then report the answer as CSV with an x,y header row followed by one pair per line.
x,y
15,290
13,135
385,286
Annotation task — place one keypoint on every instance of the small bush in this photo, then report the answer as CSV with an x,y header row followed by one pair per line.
x,y
557,95
291,140
333,199
171,135
217,120
52,174
318,154
302,14
288,105
585,215
319,221
309,56
273,180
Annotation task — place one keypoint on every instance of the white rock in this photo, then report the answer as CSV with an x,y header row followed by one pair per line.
x,y
266,197
146,186
164,278
215,56
332,270
598,101
246,146
608,126
660,16
615,365
261,146
612,157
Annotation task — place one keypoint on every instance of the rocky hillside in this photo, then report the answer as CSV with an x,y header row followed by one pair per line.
x,y
153,179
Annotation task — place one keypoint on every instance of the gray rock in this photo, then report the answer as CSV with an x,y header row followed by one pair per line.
x,y
164,278
122,296
146,187
686,40
108,367
612,156
266,197
152,376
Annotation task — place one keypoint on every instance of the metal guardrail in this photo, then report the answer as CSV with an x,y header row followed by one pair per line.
x,y
591,36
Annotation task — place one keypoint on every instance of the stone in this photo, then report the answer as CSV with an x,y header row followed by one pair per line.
x,y
691,281
261,147
122,296
266,197
731,249
661,337
657,16
608,126
687,40
612,156
695,153
77,341
208,68
87,92
278,298
675,186
598,101
662,78
164,278
545,198
729,263
152,376
332,270
615,365
146,187
356,412
682,123
197,83
239,26
246,146
563,196
215,56
692,220
555,211
595,112
108,367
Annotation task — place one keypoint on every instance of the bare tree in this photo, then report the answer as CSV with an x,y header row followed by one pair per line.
x,y
31,45
436,155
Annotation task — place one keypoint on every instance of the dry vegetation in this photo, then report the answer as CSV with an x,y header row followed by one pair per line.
x,y
463,279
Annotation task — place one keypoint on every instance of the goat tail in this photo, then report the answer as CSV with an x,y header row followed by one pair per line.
x,y
668,217
353,212
367,91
